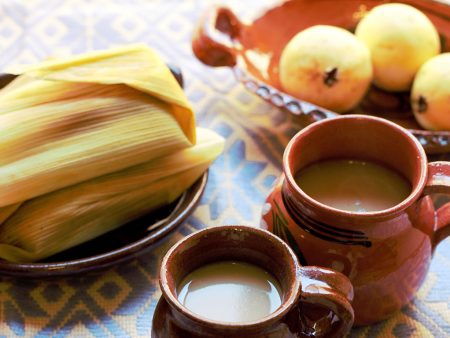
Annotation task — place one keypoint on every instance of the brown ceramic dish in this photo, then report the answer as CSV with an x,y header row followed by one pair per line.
x,y
117,246
253,51
315,301
385,253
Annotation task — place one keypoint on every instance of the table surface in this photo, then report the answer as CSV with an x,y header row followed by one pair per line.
x,y
120,302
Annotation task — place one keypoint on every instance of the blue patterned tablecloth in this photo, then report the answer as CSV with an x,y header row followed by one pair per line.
x,y
120,302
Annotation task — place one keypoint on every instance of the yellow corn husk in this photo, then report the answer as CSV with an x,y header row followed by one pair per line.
x,y
136,66
65,121
62,219
7,211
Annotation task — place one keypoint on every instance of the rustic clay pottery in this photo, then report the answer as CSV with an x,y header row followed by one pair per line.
x,y
252,49
386,254
315,301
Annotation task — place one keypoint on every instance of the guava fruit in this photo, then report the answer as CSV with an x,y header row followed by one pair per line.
x,y
430,94
400,39
327,66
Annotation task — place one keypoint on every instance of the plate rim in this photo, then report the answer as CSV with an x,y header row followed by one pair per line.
x,y
433,141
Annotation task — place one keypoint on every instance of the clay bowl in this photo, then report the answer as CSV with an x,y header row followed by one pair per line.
x,y
253,50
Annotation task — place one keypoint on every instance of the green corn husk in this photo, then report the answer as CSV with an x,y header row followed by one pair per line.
x,y
66,121
54,222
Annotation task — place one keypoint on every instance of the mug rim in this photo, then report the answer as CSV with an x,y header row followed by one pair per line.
x,y
416,190
285,306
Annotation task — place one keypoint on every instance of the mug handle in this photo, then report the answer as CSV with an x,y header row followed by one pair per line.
x,y
330,290
214,40
439,183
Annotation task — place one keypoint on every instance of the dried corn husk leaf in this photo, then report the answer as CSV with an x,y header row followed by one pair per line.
x,y
67,121
7,211
59,220
136,66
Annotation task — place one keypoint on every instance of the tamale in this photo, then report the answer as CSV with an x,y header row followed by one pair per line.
x,y
51,223
75,119
136,66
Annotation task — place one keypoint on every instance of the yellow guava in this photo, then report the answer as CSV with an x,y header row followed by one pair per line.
x,y
327,66
400,38
430,94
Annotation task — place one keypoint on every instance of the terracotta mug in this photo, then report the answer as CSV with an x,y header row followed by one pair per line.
x,y
386,254
315,302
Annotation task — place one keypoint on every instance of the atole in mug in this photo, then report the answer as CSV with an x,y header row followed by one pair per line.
x,y
385,253
314,301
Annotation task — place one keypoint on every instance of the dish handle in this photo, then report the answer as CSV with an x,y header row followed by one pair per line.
x,y
324,308
439,182
215,38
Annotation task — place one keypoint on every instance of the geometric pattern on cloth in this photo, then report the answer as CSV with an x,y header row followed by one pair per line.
x,y
120,302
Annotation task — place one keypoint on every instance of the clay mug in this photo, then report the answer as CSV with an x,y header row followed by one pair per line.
x,y
386,254
315,302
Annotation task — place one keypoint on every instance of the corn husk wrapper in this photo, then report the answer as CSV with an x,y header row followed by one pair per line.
x,y
7,211
62,219
66,121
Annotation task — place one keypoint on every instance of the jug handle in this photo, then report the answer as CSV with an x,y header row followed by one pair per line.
x,y
215,39
439,183
329,290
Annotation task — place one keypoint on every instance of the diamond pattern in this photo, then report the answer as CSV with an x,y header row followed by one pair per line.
x,y
120,302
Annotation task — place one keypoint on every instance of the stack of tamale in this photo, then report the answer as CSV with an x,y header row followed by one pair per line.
x,y
89,143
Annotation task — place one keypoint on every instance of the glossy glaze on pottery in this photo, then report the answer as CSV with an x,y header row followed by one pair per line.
x,y
253,51
308,293
386,254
